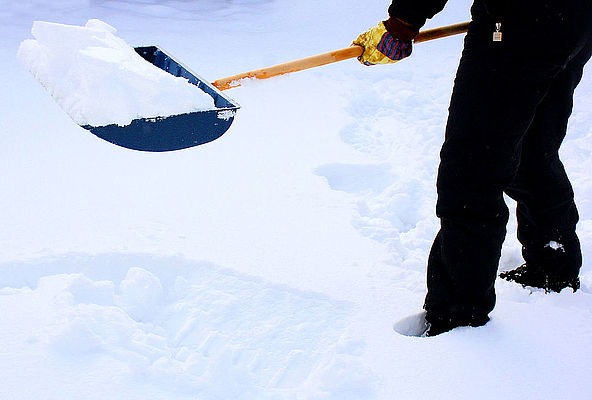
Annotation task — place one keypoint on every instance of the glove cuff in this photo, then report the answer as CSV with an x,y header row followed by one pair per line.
x,y
400,30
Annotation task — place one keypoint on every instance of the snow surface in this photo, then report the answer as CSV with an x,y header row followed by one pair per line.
x,y
274,262
98,79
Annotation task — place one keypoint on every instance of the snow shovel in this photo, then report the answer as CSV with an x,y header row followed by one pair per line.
x,y
193,129
178,131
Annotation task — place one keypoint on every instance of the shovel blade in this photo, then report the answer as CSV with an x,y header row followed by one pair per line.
x,y
178,131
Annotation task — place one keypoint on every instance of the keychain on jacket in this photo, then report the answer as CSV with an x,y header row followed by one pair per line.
x,y
497,35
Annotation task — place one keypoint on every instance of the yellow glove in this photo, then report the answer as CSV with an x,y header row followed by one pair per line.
x,y
380,47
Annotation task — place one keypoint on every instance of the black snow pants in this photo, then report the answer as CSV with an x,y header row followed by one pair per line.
x,y
507,118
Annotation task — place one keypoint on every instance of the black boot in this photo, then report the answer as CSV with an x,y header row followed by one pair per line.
x,y
536,277
436,326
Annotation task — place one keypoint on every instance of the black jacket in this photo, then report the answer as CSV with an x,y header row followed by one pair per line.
x,y
415,12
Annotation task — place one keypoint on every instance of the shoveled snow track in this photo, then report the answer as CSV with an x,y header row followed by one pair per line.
x,y
193,327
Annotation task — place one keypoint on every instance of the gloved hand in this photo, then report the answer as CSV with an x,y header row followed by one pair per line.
x,y
388,42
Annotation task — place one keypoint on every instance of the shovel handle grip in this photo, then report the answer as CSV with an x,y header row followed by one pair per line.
x,y
330,57
441,32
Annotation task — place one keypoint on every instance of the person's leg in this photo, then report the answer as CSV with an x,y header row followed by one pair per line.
x,y
498,88
546,210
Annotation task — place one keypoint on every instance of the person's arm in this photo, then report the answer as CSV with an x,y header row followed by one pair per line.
x,y
415,12
392,40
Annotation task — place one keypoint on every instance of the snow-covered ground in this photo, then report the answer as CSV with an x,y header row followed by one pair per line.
x,y
273,262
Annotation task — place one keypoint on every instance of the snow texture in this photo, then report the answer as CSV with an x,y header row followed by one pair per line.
x,y
98,79
555,246
284,260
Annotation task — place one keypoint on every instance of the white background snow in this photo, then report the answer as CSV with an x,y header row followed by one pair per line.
x,y
273,262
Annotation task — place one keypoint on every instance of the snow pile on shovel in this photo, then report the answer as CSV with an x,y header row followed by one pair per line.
x,y
98,79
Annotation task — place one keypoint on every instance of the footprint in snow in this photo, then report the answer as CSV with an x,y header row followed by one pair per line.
x,y
413,325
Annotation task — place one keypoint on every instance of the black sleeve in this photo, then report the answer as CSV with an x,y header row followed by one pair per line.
x,y
415,12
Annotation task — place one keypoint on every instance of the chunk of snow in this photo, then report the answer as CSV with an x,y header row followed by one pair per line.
x,y
555,245
226,114
141,293
98,79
